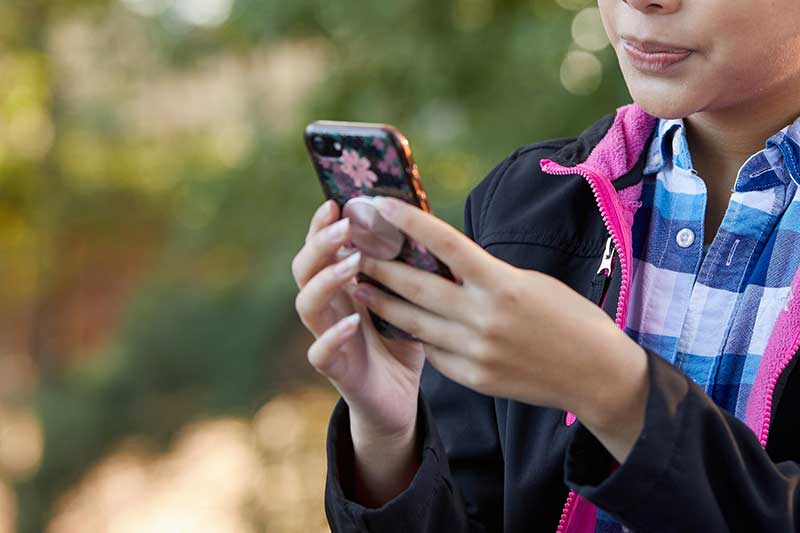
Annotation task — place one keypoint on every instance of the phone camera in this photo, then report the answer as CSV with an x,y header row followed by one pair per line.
x,y
326,146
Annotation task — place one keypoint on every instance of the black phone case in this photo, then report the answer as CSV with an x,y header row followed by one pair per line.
x,y
375,160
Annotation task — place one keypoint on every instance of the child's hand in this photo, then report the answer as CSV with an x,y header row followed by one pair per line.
x,y
377,377
506,331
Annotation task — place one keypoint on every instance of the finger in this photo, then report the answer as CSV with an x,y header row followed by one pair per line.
x,y
324,216
457,250
458,368
322,288
319,251
324,353
425,289
427,327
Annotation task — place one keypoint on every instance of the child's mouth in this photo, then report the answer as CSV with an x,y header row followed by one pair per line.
x,y
651,57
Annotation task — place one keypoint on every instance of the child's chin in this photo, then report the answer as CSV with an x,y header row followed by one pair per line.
x,y
664,100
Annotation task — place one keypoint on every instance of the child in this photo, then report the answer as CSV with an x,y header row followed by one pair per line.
x,y
640,278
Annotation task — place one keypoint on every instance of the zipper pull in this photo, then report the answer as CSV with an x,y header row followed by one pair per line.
x,y
608,259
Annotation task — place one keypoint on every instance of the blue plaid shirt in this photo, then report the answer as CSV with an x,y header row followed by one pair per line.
x,y
711,314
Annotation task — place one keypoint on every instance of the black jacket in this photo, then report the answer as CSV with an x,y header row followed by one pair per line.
x,y
494,465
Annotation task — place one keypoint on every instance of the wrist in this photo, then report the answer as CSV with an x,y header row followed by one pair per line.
x,y
385,463
366,435
616,407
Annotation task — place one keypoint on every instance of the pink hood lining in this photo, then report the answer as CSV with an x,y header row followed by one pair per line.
x,y
617,153
781,347
620,149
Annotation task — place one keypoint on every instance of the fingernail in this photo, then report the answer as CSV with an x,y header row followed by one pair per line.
x,y
363,295
339,228
349,266
325,208
349,324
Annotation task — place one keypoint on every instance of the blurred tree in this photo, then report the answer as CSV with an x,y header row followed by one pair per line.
x,y
154,186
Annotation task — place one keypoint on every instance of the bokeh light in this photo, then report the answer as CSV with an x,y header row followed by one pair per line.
x,y
203,12
575,5
226,475
581,72
588,31
21,442
207,13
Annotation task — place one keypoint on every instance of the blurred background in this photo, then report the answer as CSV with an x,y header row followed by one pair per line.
x,y
153,191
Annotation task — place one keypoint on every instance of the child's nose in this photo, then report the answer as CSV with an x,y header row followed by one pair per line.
x,y
661,7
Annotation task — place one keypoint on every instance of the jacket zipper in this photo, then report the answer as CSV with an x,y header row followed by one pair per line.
x,y
593,178
607,270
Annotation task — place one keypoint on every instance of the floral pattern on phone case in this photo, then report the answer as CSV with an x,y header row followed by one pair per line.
x,y
374,166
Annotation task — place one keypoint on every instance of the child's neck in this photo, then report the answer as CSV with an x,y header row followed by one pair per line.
x,y
721,141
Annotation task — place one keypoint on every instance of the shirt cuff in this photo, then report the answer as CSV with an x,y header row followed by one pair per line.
x,y
406,510
592,472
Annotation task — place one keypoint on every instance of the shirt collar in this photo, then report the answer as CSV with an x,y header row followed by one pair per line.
x,y
669,145
776,164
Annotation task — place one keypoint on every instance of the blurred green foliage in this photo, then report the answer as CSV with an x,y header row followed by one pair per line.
x,y
154,186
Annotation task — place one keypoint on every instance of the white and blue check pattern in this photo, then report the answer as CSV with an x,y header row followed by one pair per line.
x,y
711,316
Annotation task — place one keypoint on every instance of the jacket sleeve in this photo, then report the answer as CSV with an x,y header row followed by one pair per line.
x,y
458,487
693,468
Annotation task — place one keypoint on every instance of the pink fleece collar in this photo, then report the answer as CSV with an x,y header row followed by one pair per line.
x,y
617,153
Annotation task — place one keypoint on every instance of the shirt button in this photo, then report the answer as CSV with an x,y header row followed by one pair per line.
x,y
685,238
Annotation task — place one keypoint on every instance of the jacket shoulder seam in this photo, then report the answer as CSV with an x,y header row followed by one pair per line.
x,y
501,172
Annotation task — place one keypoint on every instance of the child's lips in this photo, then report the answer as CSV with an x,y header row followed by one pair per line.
x,y
653,57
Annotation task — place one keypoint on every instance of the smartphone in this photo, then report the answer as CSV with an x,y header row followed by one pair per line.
x,y
355,161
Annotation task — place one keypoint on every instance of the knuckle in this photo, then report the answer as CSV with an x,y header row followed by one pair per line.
x,y
418,328
505,296
489,325
448,247
316,359
480,350
412,324
415,292
297,268
321,356
301,304
378,303
476,377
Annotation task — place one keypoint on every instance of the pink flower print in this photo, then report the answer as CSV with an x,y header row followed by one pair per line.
x,y
378,143
393,160
326,164
357,168
383,166
344,184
